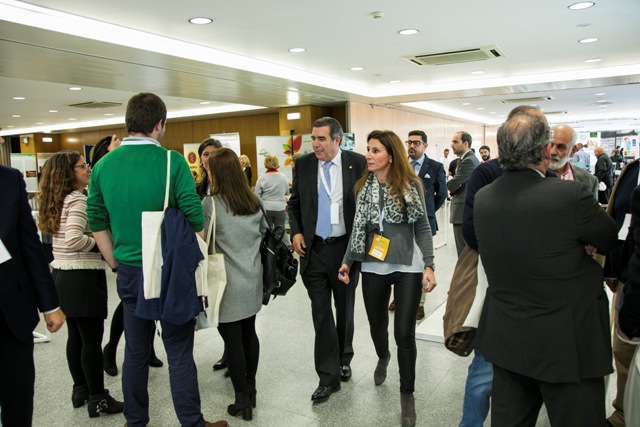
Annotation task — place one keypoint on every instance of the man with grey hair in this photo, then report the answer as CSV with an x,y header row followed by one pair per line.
x,y
544,324
564,137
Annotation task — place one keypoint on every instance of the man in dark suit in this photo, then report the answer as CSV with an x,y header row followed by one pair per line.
x,y
544,323
604,172
564,138
461,146
25,288
321,211
434,181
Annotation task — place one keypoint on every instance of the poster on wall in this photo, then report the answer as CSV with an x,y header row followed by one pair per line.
x,y
191,155
88,153
26,163
42,159
283,147
229,140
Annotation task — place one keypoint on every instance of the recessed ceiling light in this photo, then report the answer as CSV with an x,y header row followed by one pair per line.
x,y
588,40
75,88
201,21
10,126
108,114
492,112
583,25
393,82
600,94
205,103
601,100
477,72
39,123
408,32
71,118
16,116
602,106
581,5
480,108
293,97
53,111
297,50
592,60
466,103
357,68
19,98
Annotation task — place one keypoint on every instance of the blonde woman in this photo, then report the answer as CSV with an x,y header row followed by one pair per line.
x,y
272,188
246,167
79,277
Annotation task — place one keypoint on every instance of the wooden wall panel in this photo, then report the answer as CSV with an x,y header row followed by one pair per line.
x,y
365,118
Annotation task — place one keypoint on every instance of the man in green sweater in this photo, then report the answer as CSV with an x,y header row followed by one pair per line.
x,y
125,183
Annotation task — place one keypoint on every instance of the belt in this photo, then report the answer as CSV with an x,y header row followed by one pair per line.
x,y
330,240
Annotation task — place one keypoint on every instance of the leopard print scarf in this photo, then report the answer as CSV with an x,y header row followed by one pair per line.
x,y
368,211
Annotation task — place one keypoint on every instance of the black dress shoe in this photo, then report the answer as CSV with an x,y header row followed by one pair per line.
x,y
323,392
345,373
220,364
154,362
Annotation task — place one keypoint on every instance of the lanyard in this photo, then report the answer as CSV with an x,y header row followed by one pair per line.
x,y
324,181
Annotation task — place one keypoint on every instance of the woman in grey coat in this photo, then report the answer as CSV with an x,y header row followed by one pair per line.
x,y
240,226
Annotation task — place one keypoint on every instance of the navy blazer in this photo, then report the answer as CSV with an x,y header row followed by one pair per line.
x,y
26,284
303,203
435,188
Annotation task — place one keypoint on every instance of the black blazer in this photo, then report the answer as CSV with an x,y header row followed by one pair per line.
x,y
435,188
303,203
26,283
546,314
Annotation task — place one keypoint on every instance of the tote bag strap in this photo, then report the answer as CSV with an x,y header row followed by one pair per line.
x,y
166,190
211,236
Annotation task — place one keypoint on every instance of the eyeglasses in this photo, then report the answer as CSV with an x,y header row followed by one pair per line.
x,y
83,166
414,143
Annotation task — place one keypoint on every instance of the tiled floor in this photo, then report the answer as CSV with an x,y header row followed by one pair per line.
x,y
286,376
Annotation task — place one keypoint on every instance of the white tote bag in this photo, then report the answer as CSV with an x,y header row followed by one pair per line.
x,y
216,277
152,244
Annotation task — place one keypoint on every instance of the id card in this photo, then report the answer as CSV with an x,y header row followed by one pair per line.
x,y
379,247
335,213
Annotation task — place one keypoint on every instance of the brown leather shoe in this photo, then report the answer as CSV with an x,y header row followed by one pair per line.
x,y
420,314
219,423
392,306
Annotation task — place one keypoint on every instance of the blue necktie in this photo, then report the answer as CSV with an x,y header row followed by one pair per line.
x,y
414,164
324,205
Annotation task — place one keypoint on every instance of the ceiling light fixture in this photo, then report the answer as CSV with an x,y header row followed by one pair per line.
x,y
357,68
205,103
393,82
588,61
601,100
10,126
75,88
408,32
53,111
477,72
201,20
293,97
19,98
466,103
108,114
72,119
588,40
16,116
581,5
600,94
39,123
480,108
297,50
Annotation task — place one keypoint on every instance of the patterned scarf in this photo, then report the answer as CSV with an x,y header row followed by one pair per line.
x,y
368,212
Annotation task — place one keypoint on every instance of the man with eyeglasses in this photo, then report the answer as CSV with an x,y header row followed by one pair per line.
x,y
433,178
461,146
563,139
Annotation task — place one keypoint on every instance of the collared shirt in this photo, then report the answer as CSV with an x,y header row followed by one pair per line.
x,y
139,140
417,164
335,172
567,175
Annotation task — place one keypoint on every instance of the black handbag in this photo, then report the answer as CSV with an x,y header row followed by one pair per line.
x,y
279,267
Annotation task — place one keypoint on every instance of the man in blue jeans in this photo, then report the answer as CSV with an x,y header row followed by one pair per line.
x,y
125,183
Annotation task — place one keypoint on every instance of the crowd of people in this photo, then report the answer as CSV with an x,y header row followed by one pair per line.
x,y
532,214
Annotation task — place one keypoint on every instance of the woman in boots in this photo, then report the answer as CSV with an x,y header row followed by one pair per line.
x,y
240,226
78,273
392,238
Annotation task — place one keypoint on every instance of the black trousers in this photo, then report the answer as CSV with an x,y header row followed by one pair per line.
x,y
407,291
84,352
242,349
516,401
334,339
17,378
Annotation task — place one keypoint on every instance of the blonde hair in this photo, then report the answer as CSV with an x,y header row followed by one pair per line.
x,y
271,162
245,160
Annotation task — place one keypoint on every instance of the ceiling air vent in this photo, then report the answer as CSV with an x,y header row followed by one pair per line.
x,y
526,101
457,56
96,104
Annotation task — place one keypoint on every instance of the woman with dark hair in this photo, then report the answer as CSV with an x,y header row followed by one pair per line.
x,y
78,273
102,148
205,149
392,238
237,208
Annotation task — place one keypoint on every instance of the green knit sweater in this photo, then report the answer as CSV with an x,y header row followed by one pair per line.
x,y
131,180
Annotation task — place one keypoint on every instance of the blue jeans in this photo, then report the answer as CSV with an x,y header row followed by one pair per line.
x,y
178,342
477,392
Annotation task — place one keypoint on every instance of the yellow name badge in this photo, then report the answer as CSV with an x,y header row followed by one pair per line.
x,y
379,247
